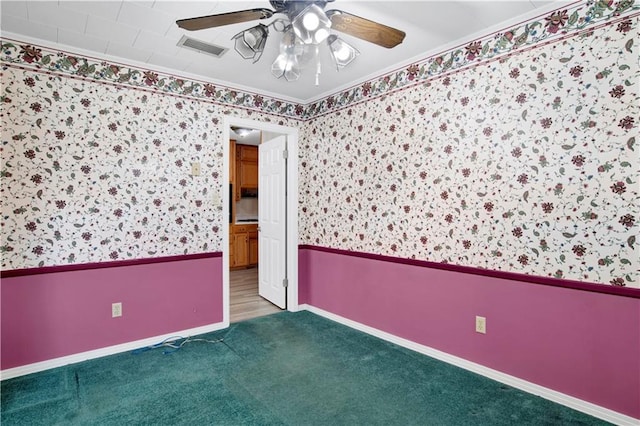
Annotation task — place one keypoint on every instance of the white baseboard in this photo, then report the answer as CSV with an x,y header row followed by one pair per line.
x,y
111,350
541,391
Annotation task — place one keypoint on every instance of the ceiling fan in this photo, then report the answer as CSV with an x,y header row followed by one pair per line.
x,y
306,24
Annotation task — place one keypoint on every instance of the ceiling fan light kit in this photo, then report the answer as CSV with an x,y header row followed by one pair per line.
x,y
250,43
341,51
287,64
311,25
287,67
306,25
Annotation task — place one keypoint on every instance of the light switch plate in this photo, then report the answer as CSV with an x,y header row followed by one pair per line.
x,y
195,169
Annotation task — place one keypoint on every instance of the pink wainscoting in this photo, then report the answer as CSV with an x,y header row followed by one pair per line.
x,y
581,343
50,315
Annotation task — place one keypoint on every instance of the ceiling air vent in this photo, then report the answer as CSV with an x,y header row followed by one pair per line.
x,y
201,46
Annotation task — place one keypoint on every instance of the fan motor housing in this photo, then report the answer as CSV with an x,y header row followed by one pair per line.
x,y
295,6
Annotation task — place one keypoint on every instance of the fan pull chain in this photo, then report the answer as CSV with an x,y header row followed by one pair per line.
x,y
318,67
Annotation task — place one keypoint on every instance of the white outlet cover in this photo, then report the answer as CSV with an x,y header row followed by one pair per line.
x,y
481,325
116,310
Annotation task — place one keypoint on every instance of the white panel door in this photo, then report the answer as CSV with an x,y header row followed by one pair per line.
x,y
272,222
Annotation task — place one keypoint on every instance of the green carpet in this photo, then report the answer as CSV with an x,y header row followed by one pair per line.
x,y
283,369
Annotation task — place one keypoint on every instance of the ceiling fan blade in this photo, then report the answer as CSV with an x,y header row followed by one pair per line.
x,y
365,29
222,19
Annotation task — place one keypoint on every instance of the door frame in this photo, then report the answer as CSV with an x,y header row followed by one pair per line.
x,y
291,209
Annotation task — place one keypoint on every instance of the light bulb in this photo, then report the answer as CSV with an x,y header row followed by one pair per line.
x,y
342,53
310,21
321,35
249,38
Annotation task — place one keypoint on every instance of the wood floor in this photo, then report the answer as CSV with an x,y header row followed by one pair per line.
x,y
244,301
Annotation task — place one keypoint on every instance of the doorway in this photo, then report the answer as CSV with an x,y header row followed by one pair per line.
x,y
244,300
240,284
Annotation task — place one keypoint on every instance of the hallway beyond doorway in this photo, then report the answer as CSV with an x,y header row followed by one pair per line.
x,y
244,301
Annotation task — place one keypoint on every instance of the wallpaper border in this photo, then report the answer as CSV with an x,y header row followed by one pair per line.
x,y
32,57
561,23
511,276
12,273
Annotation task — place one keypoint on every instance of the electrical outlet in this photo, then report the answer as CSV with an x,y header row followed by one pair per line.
x,y
116,310
195,169
481,325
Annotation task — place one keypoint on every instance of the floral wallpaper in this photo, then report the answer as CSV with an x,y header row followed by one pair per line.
x,y
525,164
93,172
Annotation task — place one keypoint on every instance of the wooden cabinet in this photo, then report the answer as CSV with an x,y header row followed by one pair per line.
x,y
243,173
232,248
243,245
233,175
247,166
248,153
241,255
248,174
253,248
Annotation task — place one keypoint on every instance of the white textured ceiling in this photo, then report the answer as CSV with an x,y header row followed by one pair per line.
x,y
144,33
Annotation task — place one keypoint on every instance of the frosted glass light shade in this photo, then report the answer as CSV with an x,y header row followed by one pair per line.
x,y
286,66
311,25
341,51
250,43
